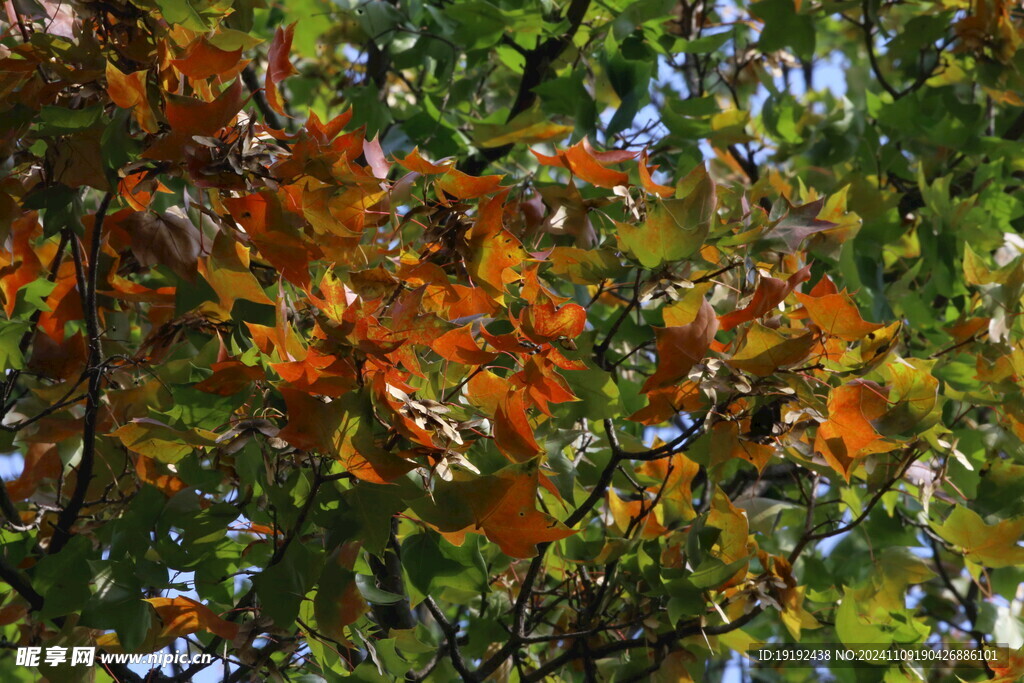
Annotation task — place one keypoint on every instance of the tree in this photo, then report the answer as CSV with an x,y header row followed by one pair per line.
x,y
528,340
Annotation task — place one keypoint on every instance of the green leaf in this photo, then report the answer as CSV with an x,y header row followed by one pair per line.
x,y
675,228
783,28
282,587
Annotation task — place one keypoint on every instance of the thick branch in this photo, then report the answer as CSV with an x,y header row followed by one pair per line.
x,y
87,289
252,83
535,70
388,573
451,636
21,585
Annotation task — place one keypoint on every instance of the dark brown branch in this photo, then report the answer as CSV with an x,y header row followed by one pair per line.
x,y
21,585
969,606
87,289
252,83
807,539
249,599
535,70
869,44
601,349
451,638
387,571
597,494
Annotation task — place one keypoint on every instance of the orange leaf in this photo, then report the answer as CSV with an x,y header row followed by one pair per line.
x,y
149,473
183,616
42,461
849,433
664,404
769,294
227,271
486,391
625,512
463,186
727,445
586,164
544,323
459,346
414,161
22,266
648,182
325,132
680,348
279,67
512,433
125,90
515,524
341,429
495,249
543,384
203,60
837,315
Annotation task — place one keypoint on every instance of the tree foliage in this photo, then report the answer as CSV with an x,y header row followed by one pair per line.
x,y
429,340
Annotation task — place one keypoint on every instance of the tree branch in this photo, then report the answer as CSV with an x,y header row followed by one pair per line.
x,y
535,71
252,83
807,539
87,289
451,636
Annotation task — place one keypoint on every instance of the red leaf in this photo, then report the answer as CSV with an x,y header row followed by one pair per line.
x,y
203,60
462,186
189,116
279,67
769,294
459,346
512,433
648,182
680,348
544,323
229,377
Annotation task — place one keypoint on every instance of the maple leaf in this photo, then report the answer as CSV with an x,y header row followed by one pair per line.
x,y
168,239
190,116
459,346
680,348
589,165
279,67
512,432
227,271
798,223
849,433
341,429
770,293
765,350
674,228
837,315
514,523
495,251
202,59
991,545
